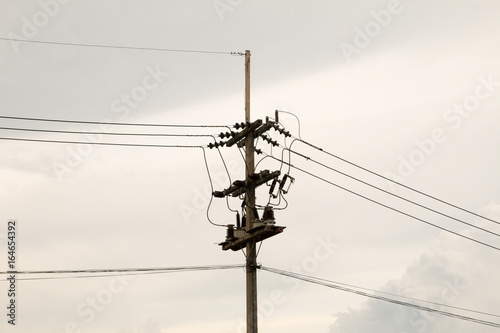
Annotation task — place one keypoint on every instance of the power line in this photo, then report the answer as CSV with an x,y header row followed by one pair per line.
x,y
212,190
410,298
398,183
109,123
381,176
384,205
101,143
387,192
119,47
332,285
97,272
294,115
103,133
229,178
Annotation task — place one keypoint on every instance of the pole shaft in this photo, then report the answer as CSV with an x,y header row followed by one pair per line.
x,y
251,271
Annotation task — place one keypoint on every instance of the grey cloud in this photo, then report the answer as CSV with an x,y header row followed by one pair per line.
x,y
453,272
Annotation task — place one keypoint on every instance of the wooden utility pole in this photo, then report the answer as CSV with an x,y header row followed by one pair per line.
x,y
251,260
255,229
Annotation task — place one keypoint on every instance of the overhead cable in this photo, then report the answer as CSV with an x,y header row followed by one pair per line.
x,y
101,143
118,46
384,177
410,298
212,190
386,206
103,133
332,285
387,192
109,271
105,122
398,183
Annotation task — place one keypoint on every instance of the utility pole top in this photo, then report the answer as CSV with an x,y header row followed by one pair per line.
x,y
247,86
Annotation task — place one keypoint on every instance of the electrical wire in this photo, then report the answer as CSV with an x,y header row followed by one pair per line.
x,y
103,133
283,158
263,158
243,157
212,191
293,114
331,284
258,250
384,177
119,46
107,122
87,276
398,183
390,207
410,298
101,143
387,192
229,177
276,205
123,271
269,203
286,203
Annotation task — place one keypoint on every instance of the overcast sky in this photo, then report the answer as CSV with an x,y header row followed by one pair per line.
x,y
408,89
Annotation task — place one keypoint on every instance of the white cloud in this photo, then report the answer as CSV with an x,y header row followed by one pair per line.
x,y
453,272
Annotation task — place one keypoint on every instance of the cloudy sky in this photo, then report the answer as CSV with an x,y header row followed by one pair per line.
x,y
408,89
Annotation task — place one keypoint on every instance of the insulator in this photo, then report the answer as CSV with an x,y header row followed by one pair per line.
x,y
283,181
271,190
230,232
258,151
239,183
238,224
268,214
244,221
240,125
211,145
290,184
222,135
218,194
254,176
